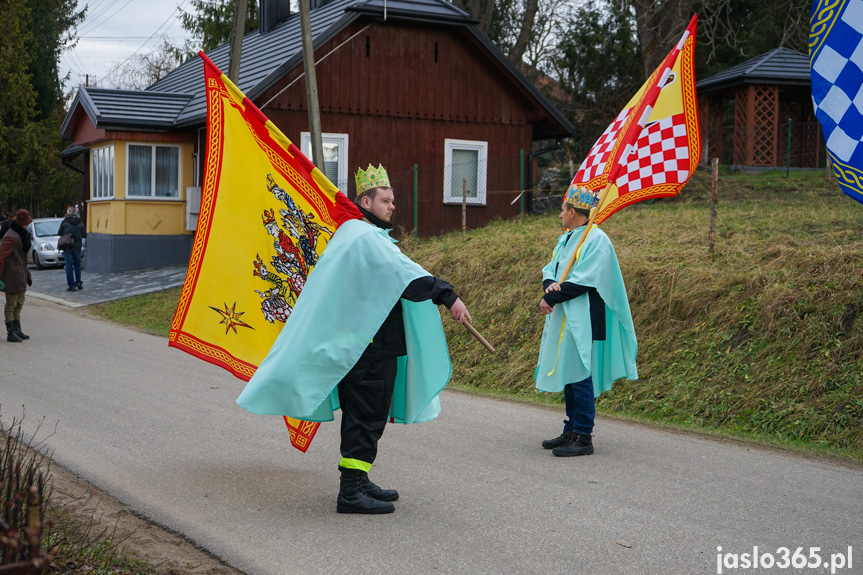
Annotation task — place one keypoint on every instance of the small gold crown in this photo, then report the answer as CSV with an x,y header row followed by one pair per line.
x,y
371,178
581,198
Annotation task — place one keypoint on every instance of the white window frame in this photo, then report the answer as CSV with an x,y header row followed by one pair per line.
x,y
342,141
153,195
96,191
454,196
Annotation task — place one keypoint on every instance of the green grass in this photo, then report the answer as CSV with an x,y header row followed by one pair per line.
x,y
759,339
81,548
151,312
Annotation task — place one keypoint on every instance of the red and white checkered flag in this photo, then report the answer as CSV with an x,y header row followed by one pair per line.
x,y
653,146
660,156
599,154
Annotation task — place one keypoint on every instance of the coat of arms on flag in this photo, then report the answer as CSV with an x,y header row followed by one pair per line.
x,y
836,62
266,216
653,146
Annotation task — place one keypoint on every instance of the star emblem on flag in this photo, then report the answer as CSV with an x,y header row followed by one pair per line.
x,y
231,317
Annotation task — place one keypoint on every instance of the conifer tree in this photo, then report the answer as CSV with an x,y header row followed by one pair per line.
x,y
31,108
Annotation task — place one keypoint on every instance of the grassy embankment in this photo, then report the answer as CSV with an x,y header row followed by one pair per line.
x,y
760,339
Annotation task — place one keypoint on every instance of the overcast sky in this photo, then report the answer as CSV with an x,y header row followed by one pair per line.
x,y
114,30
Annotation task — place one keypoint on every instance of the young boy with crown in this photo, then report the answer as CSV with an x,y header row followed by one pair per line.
x,y
364,336
588,340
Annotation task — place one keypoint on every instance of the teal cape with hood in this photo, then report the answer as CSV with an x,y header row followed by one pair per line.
x,y
568,352
358,279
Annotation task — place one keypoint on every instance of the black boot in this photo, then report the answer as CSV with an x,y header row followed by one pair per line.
x,y
352,498
376,492
561,439
11,335
18,332
577,445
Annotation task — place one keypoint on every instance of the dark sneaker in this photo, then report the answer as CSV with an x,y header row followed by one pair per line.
x,y
577,445
80,286
71,288
561,439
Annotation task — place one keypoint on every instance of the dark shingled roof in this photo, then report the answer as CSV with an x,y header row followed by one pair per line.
x,y
781,66
122,109
265,59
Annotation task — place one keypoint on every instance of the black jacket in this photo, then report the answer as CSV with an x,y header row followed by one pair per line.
x,y
73,225
389,341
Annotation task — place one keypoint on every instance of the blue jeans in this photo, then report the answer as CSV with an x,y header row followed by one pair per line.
x,y
73,260
580,407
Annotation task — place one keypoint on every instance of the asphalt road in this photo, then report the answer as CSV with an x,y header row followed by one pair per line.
x,y
159,430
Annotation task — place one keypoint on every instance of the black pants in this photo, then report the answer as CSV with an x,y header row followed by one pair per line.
x,y
365,395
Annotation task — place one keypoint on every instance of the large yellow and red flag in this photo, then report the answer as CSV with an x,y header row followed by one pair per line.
x,y
266,216
653,146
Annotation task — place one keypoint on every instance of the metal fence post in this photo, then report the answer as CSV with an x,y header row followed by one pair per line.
x,y
416,196
521,180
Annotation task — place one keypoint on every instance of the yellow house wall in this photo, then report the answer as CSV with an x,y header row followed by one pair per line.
x,y
120,216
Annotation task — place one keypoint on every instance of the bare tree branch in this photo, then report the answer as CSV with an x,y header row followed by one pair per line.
x,y
518,49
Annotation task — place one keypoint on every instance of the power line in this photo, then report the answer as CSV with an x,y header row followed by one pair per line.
x,y
127,38
90,21
73,65
171,17
120,9
79,64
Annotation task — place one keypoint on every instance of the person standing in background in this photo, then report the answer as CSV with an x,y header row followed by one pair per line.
x,y
14,274
73,225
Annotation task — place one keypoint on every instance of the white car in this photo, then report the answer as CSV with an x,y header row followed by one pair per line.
x,y
43,248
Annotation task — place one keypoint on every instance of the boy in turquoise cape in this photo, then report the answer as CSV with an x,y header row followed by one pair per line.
x,y
588,340
364,336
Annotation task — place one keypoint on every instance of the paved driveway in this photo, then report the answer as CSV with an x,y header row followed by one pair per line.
x,y
50,285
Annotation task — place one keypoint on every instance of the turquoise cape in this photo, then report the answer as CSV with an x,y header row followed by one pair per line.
x,y
568,353
358,279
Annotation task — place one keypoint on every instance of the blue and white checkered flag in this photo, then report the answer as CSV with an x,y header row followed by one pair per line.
x,y
836,61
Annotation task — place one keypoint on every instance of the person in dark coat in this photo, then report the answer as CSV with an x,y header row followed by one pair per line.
x,y
14,274
72,224
4,227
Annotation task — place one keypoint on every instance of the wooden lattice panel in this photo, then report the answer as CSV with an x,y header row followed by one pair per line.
x,y
764,121
710,114
716,125
805,134
742,131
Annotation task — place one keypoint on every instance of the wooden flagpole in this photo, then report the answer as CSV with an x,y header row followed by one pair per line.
x,y
629,138
583,237
476,334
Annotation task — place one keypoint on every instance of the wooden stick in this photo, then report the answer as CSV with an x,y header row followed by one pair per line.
x,y
476,334
714,194
585,232
464,208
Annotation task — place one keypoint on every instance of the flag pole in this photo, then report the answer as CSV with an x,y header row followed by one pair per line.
x,y
583,237
479,338
643,110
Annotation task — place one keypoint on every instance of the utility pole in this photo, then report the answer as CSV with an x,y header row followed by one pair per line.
x,y
311,86
237,41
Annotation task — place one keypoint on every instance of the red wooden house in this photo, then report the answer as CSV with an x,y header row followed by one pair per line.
x,y
413,85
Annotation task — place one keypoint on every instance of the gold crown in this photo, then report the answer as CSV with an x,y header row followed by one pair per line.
x,y
371,178
581,198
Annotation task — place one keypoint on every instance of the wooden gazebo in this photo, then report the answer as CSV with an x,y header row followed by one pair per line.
x,y
745,113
